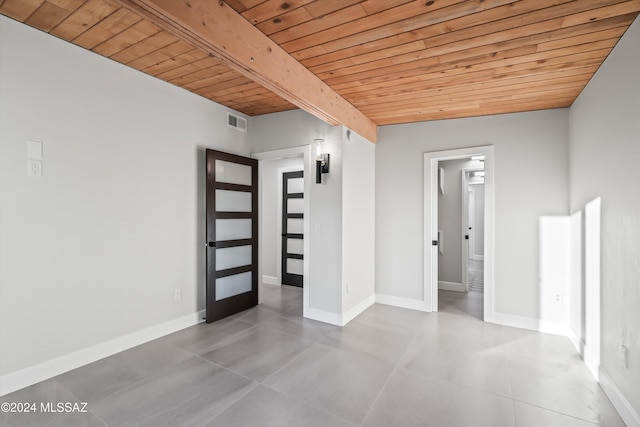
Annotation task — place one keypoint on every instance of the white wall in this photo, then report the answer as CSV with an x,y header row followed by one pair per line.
x,y
535,138
271,213
358,223
295,128
605,149
94,249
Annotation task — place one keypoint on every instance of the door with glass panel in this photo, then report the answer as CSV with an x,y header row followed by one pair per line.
x,y
292,228
232,234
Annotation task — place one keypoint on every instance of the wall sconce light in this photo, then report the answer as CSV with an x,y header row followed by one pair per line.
x,y
322,161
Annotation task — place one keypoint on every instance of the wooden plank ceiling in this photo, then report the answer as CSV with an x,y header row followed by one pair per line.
x,y
397,61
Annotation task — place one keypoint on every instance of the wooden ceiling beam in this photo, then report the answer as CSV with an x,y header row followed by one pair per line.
x,y
222,32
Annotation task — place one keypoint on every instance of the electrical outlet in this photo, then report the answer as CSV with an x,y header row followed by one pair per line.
x,y
318,228
34,168
177,294
557,298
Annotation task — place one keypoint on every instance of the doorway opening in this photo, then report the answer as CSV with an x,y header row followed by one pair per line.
x,y
461,236
284,198
458,231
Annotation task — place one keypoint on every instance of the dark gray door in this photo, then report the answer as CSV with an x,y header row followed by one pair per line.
x,y
292,228
232,234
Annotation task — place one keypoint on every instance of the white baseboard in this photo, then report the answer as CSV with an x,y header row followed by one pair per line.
x,y
413,304
576,341
323,316
530,323
592,360
270,280
43,371
628,414
359,308
585,352
451,286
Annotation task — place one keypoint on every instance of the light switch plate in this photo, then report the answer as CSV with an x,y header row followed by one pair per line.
x,y
34,150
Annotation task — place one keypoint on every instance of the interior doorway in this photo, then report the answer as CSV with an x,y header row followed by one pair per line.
x,y
274,165
458,187
461,236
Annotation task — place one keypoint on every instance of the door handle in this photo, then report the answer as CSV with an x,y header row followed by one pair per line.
x,y
434,243
466,237
211,244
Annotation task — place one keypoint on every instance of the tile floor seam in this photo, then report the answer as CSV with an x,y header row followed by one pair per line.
x,y
459,384
373,402
477,388
515,416
142,416
228,370
65,388
555,411
221,343
144,378
253,381
508,356
508,360
309,404
255,385
286,364
292,334
393,371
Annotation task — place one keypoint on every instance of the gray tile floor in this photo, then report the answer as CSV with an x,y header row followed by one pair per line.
x,y
388,367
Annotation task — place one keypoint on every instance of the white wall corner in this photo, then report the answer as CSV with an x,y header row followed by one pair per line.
x,y
627,412
349,315
530,323
270,280
51,368
451,286
323,316
576,341
410,303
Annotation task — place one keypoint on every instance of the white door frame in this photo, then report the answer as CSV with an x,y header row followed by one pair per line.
x,y
308,163
430,254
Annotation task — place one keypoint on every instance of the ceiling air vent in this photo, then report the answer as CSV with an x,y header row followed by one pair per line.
x,y
236,122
